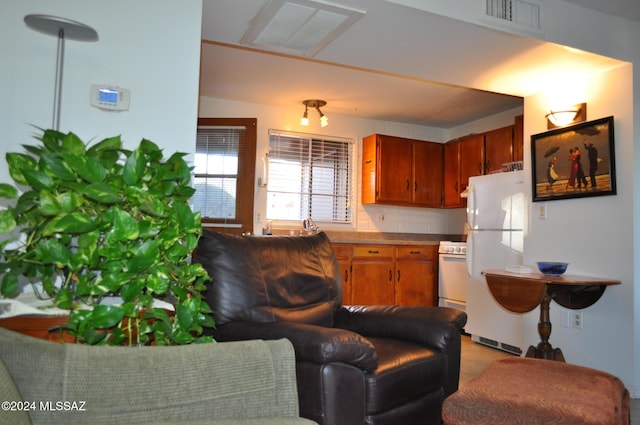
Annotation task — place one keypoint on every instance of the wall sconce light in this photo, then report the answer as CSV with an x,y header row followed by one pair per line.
x,y
564,117
317,104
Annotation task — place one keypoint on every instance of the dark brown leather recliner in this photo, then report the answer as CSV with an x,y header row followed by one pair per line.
x,y
378,365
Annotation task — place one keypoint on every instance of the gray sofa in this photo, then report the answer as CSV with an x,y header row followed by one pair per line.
x,y
248,382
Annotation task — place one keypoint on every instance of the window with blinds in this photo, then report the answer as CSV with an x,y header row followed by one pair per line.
x,y
216,171
309,176
224,172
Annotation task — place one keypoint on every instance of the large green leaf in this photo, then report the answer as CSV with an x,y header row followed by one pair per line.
x,y
72,144
49,205
133,168
124,226
106,316
184,317
87,167
108,144
7,221
52,251
17,164
70,223
138,264
153,151
7,191
69,201
58,166
38,180
102,192
186,217
10,286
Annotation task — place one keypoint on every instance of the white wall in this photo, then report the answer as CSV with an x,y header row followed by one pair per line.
x,y
594,236
143,52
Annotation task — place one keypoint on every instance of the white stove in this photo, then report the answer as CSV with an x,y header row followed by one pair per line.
x,y
452,274
455,248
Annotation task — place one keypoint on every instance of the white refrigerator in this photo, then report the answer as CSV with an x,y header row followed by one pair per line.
x,y
497,220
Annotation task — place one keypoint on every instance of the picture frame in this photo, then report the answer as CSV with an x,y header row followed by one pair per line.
x,y
558,172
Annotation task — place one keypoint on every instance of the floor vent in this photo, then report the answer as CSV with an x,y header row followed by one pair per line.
x,y
516,14
495,344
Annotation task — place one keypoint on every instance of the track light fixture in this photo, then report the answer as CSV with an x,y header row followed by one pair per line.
x,y
317,104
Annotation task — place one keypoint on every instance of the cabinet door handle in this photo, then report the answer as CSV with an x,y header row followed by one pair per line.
x,y
480,167
415,186
415,252
398,275
368,161
456,187
390,276
346,275
373,251
408,184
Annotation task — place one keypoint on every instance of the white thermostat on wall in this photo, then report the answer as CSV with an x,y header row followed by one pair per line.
x,y
109,98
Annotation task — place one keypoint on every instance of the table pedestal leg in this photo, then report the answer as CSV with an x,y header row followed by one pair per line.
x,y
544,350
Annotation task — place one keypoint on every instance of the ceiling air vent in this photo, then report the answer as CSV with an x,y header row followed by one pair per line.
x,y
299,27
516,14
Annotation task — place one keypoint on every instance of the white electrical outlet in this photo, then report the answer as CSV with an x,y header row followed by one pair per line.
x,y
576,319
259,217
380,217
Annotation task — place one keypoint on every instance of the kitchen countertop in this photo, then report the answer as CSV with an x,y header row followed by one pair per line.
x,y
383,238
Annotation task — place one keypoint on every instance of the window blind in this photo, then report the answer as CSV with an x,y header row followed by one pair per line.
x,y
309,176
216,171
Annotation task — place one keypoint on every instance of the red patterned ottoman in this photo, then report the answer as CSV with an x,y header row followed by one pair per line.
x,y
528,391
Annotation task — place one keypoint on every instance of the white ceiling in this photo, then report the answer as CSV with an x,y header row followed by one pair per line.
x,y
396,63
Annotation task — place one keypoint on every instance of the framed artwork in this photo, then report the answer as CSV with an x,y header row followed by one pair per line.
x,y
574,162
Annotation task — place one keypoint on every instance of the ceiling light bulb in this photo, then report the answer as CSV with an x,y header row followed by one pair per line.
x,y
324,121
304,120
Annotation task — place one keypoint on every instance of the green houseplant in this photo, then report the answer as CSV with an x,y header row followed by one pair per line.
x,y
92,222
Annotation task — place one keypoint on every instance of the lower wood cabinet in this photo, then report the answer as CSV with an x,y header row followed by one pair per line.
x,y
416,275
388,274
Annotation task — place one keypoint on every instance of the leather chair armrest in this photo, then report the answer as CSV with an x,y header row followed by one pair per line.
x,y
431,326
311,343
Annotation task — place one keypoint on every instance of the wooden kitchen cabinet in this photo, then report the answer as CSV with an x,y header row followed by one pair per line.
x,y
451,184
498,148
372,281
400,171
343,255
471,158
463,158
388,274
478,154
518,138
416,275
428,174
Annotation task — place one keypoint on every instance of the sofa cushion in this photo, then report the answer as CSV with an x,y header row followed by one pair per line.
x,y
9,393
148,384
271,278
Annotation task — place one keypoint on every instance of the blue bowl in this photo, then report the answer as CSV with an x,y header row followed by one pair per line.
x,y
552,268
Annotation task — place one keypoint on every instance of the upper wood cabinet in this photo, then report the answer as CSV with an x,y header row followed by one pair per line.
x,y
464,158
498,148
400,171
518,138
479,154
